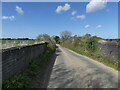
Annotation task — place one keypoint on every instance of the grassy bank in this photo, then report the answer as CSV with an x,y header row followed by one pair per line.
x,y
24,79
100,58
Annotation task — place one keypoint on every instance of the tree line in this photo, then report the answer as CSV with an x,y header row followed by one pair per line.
x,y
83,43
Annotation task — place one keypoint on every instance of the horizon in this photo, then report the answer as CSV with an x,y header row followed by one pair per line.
x,y
28,20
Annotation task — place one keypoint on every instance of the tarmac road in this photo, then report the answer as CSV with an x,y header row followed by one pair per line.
x,y
72,70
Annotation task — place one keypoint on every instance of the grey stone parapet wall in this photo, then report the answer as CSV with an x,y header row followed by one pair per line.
x,y
15,59
110,48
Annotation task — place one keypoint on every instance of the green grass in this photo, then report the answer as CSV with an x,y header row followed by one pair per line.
x,y
100,58
24,79
17,41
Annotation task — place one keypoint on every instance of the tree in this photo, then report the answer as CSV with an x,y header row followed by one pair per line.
x,y
92,44
43,37
66,35
88,35
57,39
47,38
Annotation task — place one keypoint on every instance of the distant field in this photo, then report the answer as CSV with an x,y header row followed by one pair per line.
x,y
17,41
14,43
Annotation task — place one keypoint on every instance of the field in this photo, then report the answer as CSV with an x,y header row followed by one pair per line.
x,y
14,43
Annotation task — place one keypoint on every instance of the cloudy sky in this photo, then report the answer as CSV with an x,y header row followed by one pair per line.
x,y
30,19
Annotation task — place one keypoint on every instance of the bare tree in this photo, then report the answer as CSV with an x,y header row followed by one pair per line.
x,y
66,35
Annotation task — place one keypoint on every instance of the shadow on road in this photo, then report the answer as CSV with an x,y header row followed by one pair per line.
x,y
42,79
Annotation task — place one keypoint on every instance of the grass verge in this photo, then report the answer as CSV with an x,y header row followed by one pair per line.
x,y
24,79
100,58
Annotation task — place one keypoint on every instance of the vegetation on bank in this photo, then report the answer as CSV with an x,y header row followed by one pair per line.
x,y
101,58
87,45
24,79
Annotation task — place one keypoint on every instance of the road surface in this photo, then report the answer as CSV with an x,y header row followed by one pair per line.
x,y
72,70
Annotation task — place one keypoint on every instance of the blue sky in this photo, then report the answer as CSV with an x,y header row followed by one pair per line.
x,y
25,19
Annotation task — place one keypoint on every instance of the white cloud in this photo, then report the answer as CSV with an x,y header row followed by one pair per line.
x,y
8,17
99,26
95,5
19,10
74,12
86,26
81,17
66,7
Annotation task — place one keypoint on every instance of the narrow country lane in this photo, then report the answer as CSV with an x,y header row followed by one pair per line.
x,y
72,70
